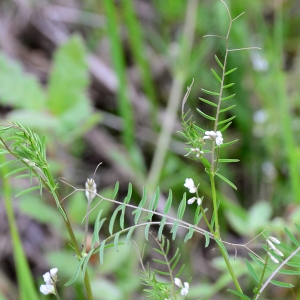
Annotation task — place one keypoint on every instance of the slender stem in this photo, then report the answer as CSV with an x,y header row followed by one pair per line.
x,y
204,216
214,163
87,222
261,277
206,220
215,206
56,292
87,284
230,269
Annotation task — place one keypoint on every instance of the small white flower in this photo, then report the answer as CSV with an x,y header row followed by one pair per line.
x,y
47,289
274,240
271,245
276,261
47,278
215,136
199,201
209,135
50,279
219,138
278,252
197,151
189,183
178,282
192,200
185,290
91,189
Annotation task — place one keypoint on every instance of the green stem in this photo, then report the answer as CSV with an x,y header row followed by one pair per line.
x,y
206,220
87,284
204,216
215,206
230,269
56,293
261,278
87,222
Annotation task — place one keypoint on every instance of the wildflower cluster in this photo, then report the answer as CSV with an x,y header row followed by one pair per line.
x,y
184,287
271,241
214,136
197,151
50,279
189,183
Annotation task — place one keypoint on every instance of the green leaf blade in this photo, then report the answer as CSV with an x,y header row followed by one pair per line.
x,y
282,284
205,115
216,75
237,293
230,71
208,102
226,180
251,270
292,237
210,92
228,97
219,62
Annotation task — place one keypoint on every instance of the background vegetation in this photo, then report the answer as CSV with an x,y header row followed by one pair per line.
x,y
104,80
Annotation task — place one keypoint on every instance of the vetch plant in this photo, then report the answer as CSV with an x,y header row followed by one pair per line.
x,y
205,147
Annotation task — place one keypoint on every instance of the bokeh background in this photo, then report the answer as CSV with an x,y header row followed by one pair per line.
x,y
103,81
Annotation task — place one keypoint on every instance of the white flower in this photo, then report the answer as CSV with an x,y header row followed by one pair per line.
x,y
197,151
192,200
274,240
184,288
189,183
271,245
219,138
214,136
50,279
47,278
278,252
276,261
91,189
209,135
178,282
47,289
